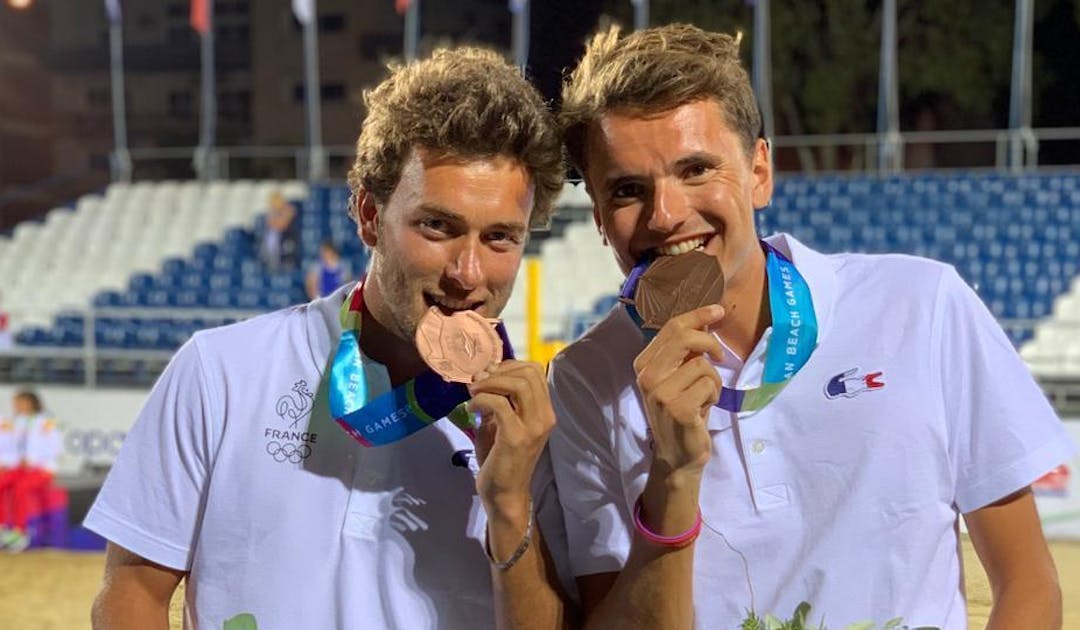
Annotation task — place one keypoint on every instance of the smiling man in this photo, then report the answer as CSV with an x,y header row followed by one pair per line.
x,y
236,477
813,435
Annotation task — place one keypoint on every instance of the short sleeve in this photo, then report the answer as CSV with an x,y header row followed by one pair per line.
x,y
152,500
598,525
1003,432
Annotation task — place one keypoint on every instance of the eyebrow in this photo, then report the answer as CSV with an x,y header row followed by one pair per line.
x,y
446,213
696,157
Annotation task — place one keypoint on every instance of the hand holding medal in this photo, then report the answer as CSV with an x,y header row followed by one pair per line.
x,y
675,299
514,413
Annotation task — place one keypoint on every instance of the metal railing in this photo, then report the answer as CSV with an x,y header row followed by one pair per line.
x,y
1013,149
90,353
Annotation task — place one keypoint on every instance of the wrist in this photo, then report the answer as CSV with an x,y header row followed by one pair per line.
x,y
507,506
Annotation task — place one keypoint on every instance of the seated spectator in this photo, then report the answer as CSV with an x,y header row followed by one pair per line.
x,y
30,446
330,273
278,242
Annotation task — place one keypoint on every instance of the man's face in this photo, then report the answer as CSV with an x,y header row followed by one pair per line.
x,y
451,235
22,406
675,181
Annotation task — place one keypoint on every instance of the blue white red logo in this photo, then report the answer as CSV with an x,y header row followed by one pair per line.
x,y
850,383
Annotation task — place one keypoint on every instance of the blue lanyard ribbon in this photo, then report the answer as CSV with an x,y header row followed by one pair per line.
x,y
793,338
401,411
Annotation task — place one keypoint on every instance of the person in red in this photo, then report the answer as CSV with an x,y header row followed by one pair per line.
x,y
29,447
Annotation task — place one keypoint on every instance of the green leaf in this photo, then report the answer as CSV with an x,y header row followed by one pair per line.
x,y
243,621
861,625
893,623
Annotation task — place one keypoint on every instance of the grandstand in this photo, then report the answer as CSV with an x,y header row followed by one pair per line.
x,y
127,276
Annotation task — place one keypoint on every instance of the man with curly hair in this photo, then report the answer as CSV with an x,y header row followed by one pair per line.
x,y
235,477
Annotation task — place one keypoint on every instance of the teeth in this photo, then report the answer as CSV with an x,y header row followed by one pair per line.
x,y
454,306
681,248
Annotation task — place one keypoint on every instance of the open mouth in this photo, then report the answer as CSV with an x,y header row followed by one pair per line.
x,y
449,306
686,245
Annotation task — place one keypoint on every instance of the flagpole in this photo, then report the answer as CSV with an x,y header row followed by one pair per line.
x,y
520,32
762,69
313,98
1021,140
888,123
641,14
205,161
412,30
121,159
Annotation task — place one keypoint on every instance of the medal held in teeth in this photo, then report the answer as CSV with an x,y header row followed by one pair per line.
x,y
458,346
673,285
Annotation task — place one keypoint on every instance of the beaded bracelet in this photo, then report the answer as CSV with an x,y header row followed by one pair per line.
x,y
520,551
675,542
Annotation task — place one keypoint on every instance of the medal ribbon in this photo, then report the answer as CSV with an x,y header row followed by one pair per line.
x,y
401,411
794,334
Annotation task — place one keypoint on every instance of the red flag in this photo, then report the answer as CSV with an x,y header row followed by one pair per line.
x,y
401,6
200,16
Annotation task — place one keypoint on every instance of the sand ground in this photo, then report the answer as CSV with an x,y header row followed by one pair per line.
x,y
52,590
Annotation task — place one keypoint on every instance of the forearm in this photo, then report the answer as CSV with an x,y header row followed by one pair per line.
x,y
120,607
527,594
1026,603
655,588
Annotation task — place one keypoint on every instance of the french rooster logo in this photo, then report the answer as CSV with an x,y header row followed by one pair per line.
x,y
297,405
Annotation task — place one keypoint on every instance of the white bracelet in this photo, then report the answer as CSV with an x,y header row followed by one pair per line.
x,y
520,551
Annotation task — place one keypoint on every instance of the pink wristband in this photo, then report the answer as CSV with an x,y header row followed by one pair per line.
x,y
678,541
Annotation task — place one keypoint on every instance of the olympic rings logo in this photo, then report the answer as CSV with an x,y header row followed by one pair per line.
x,y
288,452
93,442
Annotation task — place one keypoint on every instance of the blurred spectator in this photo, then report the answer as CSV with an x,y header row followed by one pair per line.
x,y
30,445
6,340
278,243
330,273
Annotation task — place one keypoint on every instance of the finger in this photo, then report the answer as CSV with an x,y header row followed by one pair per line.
x,y
677,390
495,408
531,373
530,409
671,349
698,319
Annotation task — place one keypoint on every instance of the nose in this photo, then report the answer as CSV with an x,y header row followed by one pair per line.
x,y
669,208
465,267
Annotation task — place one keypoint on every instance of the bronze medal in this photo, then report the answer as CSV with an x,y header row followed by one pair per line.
x,y
458,346
673,285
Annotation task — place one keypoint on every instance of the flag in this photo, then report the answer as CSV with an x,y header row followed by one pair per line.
x,y
402,6
112,9
304,10
517,6
200,15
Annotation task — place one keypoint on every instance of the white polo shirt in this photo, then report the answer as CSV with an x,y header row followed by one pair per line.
x,y
12,437
845,490
235,472
43,442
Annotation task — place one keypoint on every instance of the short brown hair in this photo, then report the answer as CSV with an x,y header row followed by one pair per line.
x,y
464,102
656,70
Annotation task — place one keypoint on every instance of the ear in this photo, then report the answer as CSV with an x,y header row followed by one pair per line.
x,y
367,217
762,172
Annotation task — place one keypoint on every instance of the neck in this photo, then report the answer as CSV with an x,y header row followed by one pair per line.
x,y
381,343
746,305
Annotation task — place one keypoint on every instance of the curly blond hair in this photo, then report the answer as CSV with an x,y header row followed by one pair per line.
x,y
656,70
465,102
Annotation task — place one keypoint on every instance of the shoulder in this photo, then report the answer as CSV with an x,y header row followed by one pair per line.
x,y
265,336
603,355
